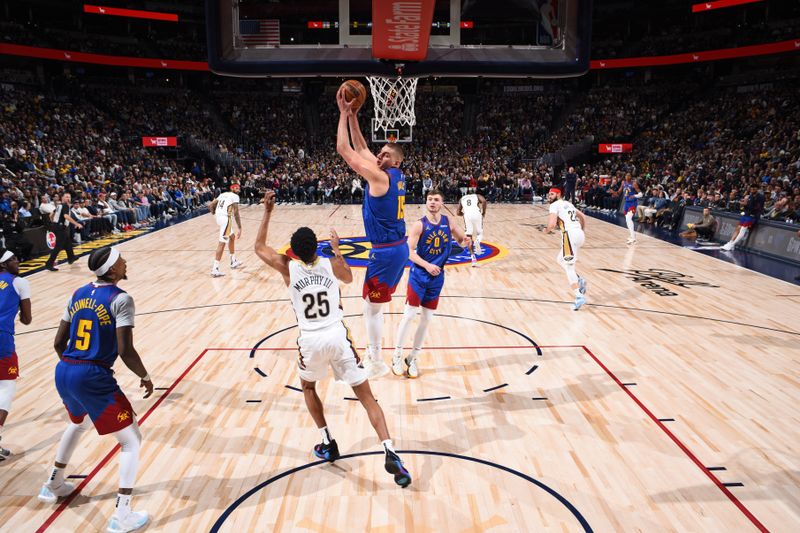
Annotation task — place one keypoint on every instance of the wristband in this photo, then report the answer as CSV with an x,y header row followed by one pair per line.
x,y
146,377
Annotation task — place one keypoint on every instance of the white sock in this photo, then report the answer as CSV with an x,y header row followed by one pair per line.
x,y
478,240
742,236
387,445
422,329
123,507
216,265
130,441
629,223
56,478
326,435
577,292
402,329
373,316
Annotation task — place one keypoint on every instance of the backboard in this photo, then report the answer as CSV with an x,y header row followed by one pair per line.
x,y
501,38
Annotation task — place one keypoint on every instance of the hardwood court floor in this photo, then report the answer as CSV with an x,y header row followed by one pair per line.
x,y
638,410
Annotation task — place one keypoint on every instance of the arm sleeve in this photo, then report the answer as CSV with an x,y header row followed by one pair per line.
x,y
23,288
66,317
123,310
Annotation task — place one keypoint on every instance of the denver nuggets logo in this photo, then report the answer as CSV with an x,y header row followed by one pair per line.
x,y
123,416
356,251
12,371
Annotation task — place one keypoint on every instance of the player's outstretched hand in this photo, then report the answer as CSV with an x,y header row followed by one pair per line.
x,y
269,200
334,240
148,387
238,234
344,106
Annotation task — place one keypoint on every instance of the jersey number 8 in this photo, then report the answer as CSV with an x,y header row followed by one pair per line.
x,y
317,306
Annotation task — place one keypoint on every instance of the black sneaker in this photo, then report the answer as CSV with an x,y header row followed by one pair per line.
x,y
328,452
4,453
395,466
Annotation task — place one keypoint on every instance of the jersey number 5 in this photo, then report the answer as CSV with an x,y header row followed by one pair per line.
x,y
84,337
401,207
317,306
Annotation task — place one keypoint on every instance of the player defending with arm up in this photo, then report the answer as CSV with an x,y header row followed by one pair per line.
x,y
383,210
429,241
571,223
324,340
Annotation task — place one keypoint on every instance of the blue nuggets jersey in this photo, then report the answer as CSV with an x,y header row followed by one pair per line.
x,y
9,307
93,330
629,193
434,244
384,217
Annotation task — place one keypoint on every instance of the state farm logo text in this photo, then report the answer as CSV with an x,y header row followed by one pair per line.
x,y
654,280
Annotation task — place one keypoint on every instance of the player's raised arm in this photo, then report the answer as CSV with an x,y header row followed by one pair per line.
x,y
356,137
340,267
265,252
367,168
413,239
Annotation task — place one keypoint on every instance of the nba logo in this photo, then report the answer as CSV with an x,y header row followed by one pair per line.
x,y
50,237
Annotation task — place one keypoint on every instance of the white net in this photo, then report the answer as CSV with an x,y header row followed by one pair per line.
x,y
394,100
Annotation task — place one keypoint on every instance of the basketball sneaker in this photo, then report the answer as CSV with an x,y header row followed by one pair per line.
x,y
395,466
579,301
131,522
413,371
328,452
4,453
728,246
474,262
630,241
397,363
49,494
375,368
215,273
236,264
582,285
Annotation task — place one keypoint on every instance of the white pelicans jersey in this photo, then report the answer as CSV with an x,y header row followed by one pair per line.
x,y
567,216
470,206
225,203
314,292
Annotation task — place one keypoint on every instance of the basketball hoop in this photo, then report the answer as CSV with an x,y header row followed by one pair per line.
x,y
394,100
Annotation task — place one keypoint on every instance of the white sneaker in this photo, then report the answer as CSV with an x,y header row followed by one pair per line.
x,y
413,371
215,273
375,368
631,241
236,264
397,363
728,246
132,522
579,301
474,262
50,495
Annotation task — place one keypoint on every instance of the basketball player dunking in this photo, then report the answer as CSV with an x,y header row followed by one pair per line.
x,y
429,242
97,326
383,210
571,223
15,299
473,208
226,209
324,340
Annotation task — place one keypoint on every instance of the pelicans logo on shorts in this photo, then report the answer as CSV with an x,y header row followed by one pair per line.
x,y
356,252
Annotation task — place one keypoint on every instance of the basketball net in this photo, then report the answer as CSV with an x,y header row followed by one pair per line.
x,y
394,100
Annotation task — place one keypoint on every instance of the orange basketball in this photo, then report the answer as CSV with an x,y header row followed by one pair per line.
x,y
355,90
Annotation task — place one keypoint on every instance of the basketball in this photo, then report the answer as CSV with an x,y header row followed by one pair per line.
x,y
355,90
